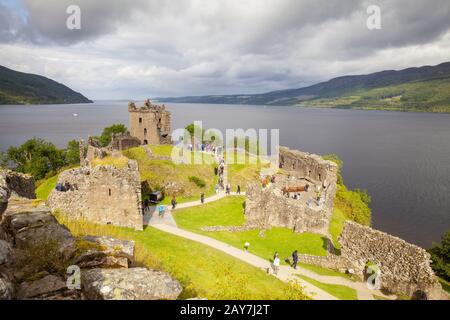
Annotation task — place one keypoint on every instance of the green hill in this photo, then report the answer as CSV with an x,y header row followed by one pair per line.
x,y
23,88
413,89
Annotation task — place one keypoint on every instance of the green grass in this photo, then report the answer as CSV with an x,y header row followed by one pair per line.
x,y
161,150
46,187
158,173
229,212
445,285
118,162
339,291
336,226
202,271
326,272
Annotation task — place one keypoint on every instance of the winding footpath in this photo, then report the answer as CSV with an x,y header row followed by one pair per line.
x,y
286,273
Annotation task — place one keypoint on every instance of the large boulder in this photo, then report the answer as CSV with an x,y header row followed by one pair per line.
x,y
27,229
4,193
100,252
46,287
6,289
5,252
129,284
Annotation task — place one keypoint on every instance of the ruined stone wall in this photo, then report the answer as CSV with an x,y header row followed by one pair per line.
x,y
20,185
151,124
330,261
266,208
306,165
270,208
124,141
405,268
102,194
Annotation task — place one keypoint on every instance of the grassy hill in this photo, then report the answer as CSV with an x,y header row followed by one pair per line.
x,y
413,89
24,88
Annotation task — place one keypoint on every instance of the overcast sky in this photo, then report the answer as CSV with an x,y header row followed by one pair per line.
x,y
132,49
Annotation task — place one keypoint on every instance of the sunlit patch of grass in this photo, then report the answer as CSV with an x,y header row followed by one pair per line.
x,y
118,162
45,188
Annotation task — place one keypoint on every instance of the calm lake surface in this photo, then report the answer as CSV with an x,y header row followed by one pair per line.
x,y
402,159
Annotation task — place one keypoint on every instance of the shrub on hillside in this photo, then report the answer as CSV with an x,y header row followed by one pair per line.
x,y
440,255
353,203
197,181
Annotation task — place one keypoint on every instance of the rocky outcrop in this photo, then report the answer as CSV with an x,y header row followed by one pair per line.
x,y
100,252
5,193
37,252
6,289
20,185
28,229
47,287
129,284
5,252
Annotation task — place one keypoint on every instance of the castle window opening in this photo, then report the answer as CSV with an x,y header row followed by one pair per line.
x,y
109,192
145,141
145,131
140,120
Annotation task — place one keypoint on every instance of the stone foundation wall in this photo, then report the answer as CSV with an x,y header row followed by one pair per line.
x,y
266,208
331,261
102,194
405,268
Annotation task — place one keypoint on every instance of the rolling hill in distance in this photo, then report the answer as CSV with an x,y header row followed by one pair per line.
x,y
24,88
425,89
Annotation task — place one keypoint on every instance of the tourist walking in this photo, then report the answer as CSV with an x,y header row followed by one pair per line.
x,y
174,202
246,246
228,189
276,263
217,188
202,198
161,210
294,259
238,190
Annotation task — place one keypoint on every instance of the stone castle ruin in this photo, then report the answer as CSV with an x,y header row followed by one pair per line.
x,y
102,194
151,124
300,197
107,194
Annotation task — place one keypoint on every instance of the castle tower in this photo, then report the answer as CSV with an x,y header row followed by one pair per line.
x,y
151,124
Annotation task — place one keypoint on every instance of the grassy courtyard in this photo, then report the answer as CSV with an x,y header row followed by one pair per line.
x,y
229,212
202,271
185,181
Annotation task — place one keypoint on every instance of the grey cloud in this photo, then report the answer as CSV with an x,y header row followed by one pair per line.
x,y
183,47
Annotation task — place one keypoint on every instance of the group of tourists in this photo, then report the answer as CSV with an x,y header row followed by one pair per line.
x,y
276,261
266,181
66,186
